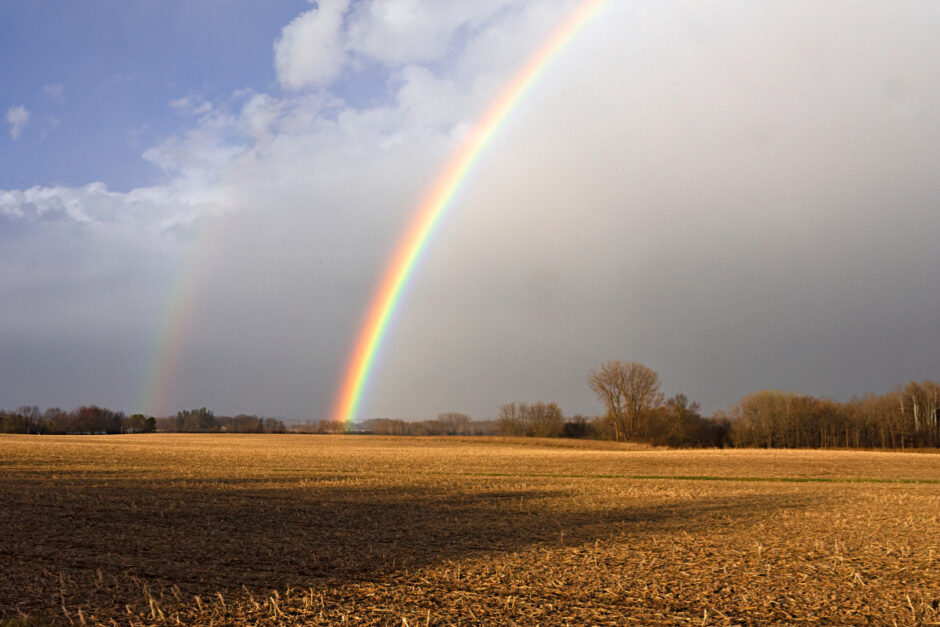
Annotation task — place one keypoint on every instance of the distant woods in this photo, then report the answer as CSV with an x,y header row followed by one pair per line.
x,y
904,418
92,419
84,420
540,420
450,423
204,421
634,410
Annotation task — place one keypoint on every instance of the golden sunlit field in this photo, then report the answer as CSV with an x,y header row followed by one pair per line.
x,y
302,529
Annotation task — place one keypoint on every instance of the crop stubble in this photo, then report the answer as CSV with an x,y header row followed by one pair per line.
x,y
157,529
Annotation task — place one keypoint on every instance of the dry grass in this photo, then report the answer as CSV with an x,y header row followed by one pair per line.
x,y
168,529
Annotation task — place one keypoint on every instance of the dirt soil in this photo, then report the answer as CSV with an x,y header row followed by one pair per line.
x,y
324,530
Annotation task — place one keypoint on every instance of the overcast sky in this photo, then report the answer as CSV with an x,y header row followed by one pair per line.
x,y
740,195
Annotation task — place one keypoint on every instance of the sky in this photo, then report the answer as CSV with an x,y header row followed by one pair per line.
x,y
198,200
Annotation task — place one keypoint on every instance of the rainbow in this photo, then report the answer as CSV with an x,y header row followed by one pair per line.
x,y
178,319
429,213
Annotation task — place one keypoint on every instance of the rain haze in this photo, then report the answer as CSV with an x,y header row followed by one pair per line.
x,y
198,201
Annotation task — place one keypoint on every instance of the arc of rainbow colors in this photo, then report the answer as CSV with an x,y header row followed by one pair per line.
x,y
429,213
178,319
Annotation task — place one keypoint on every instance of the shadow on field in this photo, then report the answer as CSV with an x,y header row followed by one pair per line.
x,y
206,537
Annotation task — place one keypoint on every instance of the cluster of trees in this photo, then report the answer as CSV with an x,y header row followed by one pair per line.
x,y
83,420
322,427
91,419
451,423
540,420
636,410
204,421
908,416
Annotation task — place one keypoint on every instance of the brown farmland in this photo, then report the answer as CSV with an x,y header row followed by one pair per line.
x,y
193,529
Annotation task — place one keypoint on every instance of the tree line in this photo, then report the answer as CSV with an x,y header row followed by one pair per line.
x,y
92,419
449,423
906,417
203,420
635,410
87,419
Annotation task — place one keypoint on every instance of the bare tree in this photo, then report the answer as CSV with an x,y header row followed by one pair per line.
x,y
629,391
511,419
679,423
31,415
544,420
455,423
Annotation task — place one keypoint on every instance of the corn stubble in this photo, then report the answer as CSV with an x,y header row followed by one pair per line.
x,y
272,530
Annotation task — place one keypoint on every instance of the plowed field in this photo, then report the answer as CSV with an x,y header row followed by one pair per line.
x,y
301,529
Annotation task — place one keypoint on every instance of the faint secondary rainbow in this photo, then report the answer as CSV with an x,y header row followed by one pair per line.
x,y
177,325
179,314
429,213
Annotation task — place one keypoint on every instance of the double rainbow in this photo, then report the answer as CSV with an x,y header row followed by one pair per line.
x,y
429,213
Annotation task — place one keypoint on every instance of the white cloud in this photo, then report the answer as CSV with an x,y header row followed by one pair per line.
x,y
17,117
191,105
316,47
310,49
141,216
55,91
430,100
412,31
